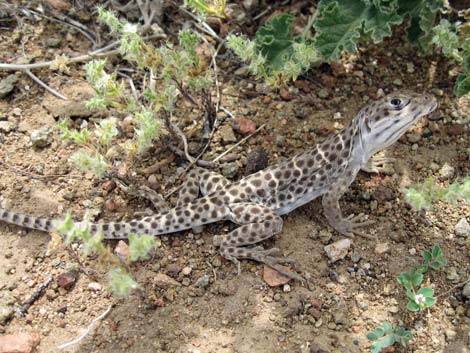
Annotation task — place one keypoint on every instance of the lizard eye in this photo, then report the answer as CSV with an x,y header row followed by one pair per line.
x,y
398,103
395,102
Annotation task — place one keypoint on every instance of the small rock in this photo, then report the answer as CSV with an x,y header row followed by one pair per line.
x,y
122,250
462,228
397,82
413,138
285,95
244,126
6,313
450,334
446,172
227,135
186,271
165,281
338,250
256,161
323,93
280,140
19,342
41,138
202,282
355,257
466,290
51,294
382,248
452,275
286,288
94,287
230,170
410,68
5,126
412,251
67,280
173,269
455,130
274,278
7,85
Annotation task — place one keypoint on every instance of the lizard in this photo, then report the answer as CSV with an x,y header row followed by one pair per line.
x,y
257,201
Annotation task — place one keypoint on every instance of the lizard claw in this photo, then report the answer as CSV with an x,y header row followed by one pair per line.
x,y
348,226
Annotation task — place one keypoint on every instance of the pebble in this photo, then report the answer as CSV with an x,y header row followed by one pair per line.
x,y
338,250
6,313
202,282
280,140
244,126
412,251
446,172
227,135
355,257
67,280
413,138
450,334
19,342
41,138
382,248
286,288
462,228
256,161
165,281
230,170
397,82
452,275
122,250
5,126
7,85
323,93
186,270
466,290
274,278
94,286
410,68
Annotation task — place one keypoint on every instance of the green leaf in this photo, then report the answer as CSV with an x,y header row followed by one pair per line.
x,y
427,256
121,283
426,291
412,306
423,268
436,251
462,85
430,301
340,24
140,246
377,346
274,40
422,15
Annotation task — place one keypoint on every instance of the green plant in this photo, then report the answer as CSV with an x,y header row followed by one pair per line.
x,y
423,297
120,281
275,55
342,25
204,7
386,336
422,196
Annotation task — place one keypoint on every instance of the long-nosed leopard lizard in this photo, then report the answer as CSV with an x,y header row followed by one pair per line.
x,y
257,201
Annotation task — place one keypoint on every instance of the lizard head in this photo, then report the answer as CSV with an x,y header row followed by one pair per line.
x,y
386,120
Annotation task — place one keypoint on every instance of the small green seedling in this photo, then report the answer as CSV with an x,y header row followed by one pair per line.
x,y
386,336
434,259
423,297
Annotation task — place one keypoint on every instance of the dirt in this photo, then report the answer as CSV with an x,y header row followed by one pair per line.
x,y
341,302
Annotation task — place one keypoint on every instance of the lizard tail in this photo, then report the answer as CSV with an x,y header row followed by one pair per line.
x,y
39,223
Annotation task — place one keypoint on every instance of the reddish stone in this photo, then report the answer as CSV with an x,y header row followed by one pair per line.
x,y
274,278
122,250
244,126
67,280
285,95
328,81
303,85
19,342
455,130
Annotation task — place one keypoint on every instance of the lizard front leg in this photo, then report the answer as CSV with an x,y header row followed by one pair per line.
x,y
346,226
257,223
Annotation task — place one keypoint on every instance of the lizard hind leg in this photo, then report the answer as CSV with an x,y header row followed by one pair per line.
x,y
257,223
198,181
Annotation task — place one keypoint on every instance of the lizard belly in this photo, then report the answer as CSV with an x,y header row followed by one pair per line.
x,y
298,201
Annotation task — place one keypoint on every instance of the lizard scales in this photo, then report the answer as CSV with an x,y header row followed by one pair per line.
x,y
257,201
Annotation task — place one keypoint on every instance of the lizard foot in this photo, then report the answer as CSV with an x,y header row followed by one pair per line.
x,y
348,226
